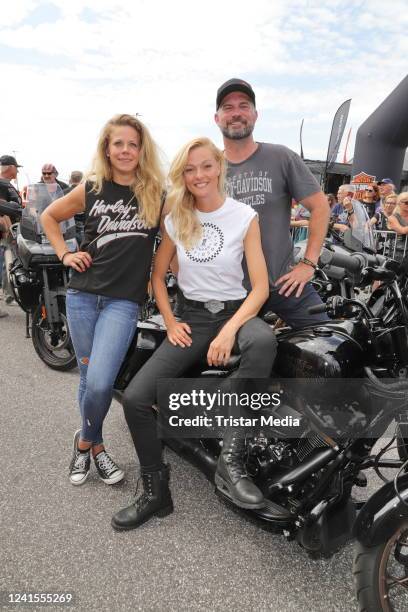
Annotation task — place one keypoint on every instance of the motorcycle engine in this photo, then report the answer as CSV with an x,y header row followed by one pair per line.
x,y
265,455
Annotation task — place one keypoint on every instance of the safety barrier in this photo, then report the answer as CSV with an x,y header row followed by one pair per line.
x,y
299,233
390,244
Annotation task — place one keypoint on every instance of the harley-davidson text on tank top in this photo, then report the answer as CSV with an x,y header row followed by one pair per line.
x,y
119,242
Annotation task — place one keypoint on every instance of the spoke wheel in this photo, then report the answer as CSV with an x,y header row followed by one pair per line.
x,y
53,347
381,573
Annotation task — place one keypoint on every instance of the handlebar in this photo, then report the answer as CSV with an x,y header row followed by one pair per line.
x,y
352,262
337,306
317,309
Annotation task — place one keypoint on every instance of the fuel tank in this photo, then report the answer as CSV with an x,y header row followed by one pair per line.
x,y
329,350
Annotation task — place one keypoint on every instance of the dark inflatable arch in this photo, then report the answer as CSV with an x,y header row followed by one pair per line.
x,y
383,138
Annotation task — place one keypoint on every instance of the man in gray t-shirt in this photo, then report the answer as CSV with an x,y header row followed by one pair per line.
x,y
267,177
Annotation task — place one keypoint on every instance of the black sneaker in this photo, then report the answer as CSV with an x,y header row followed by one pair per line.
x,y
108,471
80,463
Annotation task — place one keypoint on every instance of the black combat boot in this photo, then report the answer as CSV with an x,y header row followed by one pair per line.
x,y
154,501
231,477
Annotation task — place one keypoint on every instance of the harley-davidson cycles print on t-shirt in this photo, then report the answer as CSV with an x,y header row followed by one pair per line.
x,y
119,242
267,181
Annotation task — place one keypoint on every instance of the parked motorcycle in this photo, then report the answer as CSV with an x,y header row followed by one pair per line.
x,y
310,477
331,279
38,279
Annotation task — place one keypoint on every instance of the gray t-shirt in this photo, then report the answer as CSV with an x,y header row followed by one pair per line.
x,y
267,181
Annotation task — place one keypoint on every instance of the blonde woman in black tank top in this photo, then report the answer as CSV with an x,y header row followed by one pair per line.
x,y
122,202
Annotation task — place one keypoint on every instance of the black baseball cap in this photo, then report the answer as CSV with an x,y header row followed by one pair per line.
x,y
234,85
9,160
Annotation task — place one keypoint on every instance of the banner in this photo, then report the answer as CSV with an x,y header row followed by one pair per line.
x,y
337,131
300,138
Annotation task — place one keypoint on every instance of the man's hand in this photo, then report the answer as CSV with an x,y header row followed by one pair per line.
x,y
295,280
340,227
348,204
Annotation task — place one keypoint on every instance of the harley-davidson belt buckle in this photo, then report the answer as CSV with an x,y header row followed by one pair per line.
x,y
214,306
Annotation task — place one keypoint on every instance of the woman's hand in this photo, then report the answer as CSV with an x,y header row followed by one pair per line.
x,y
220,348
178,334
79,261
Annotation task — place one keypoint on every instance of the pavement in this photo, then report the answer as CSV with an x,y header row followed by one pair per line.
x,y
56,538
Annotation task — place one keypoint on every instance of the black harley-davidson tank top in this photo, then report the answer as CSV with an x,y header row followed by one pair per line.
x,y
119,242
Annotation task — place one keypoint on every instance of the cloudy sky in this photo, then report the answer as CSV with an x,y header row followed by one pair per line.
x,y
68,65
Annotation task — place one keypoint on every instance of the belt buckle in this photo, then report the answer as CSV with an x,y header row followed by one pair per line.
x,y
214,306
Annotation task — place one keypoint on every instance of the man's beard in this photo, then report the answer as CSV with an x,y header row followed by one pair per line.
x,y
234,134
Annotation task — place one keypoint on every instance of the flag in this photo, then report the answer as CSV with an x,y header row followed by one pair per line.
x,y
337,131
300,137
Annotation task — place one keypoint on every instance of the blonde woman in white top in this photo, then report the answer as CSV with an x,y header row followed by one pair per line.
x,y
210,233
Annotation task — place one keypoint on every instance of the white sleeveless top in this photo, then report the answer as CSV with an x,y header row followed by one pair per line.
x,y
212,269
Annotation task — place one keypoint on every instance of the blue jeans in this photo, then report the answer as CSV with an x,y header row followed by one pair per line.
x,y
101,329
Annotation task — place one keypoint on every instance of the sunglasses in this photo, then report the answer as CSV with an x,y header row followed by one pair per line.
x,y
369,190
47,173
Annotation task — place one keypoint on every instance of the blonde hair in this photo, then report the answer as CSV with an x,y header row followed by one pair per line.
x,y
148,186
391,196
187,226
402,195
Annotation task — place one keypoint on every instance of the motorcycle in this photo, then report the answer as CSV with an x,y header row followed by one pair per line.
x,y
311,476
38,279
332,280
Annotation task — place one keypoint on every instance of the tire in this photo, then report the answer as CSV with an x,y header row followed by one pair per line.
x,y
60,357
371,565
402,447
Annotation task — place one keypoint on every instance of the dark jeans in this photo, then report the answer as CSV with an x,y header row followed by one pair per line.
x,y
257,344
293,310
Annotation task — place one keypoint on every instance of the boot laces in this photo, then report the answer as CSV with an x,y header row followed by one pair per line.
x,y
147,494
235,461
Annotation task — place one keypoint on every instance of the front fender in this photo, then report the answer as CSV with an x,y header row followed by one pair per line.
x,y
378,517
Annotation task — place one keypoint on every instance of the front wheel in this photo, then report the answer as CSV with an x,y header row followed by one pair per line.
x,y
54,347
381,573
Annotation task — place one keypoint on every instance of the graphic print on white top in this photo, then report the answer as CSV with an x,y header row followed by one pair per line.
x,y
212,269
210,246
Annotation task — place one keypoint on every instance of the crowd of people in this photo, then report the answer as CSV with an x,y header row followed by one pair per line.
x,y
219,206
386,209
8,193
